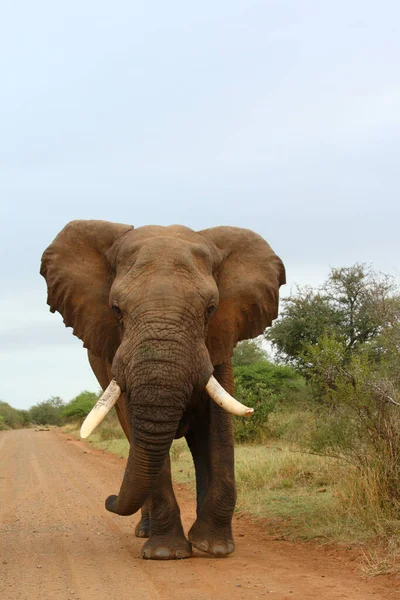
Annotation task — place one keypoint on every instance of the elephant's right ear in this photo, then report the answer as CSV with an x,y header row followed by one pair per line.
x,y
78,280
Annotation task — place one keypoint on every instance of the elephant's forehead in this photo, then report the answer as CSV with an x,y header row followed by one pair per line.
x,y
172,232
174,244
158,230
163,265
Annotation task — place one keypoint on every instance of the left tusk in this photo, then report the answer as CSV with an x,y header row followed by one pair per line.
x,y
101,409
225,400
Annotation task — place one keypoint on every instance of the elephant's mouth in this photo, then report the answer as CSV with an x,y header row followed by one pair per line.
x,y
113,392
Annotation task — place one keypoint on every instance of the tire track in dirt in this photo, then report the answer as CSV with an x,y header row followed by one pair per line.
x,y
57,542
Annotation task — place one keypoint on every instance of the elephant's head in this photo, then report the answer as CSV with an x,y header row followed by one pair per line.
x,y
163,306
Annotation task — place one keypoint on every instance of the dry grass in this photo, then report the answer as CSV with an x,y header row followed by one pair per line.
x,y
108,436
378,562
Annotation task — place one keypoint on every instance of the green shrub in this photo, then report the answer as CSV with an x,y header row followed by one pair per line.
x,y
253,429
361,422
24,417
279,379
12,418
48,412
79,407
262,386
3,424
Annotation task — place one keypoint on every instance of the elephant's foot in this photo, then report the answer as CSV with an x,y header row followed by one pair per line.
x,y
211,539
167,547
142,529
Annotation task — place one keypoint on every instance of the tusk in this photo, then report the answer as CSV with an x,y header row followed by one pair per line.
x,y
225,400
101,409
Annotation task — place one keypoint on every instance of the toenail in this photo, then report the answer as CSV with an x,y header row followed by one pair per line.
x,y
202,546
219,550
162,553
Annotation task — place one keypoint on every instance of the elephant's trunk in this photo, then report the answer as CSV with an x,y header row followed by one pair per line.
x,y
158,366
158,394
142,470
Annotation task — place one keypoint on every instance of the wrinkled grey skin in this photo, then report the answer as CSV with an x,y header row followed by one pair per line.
x,y
160,309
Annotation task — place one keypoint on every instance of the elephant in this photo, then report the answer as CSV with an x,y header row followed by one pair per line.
x,y
159,310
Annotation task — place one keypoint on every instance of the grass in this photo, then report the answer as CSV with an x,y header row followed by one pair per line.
x,y
101,439
285,486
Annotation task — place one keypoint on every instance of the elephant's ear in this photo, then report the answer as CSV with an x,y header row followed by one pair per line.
x,y
78,280
248,279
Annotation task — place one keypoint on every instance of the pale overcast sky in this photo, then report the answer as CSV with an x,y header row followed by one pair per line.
x,y
279,116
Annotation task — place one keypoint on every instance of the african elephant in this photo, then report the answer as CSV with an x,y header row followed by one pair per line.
x,y
160,310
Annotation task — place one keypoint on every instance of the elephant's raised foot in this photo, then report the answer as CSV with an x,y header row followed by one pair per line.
x,y
208,539
142,529
166,548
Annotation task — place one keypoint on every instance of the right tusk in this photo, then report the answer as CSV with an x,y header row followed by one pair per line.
x,y
225,400
101,409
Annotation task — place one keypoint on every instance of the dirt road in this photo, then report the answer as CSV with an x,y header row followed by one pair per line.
x,y
59,543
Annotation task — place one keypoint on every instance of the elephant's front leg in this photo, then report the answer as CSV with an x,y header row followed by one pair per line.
x,y
167,540
211,443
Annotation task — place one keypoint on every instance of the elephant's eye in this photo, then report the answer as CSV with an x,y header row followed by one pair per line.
x,y
117,311
210,311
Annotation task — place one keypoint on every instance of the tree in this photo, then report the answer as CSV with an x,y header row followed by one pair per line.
x,y
356,295
248,352
348,307
384,348
305,317
345,337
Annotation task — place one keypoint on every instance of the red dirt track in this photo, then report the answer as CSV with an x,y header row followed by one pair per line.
x,y
57,542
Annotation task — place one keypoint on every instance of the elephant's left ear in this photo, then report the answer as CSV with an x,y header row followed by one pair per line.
x,y
248,279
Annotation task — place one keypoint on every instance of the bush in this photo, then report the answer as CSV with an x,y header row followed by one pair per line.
x,y
80,407
3,425
12,418
363,424
253,429
24,418
262,386
48,412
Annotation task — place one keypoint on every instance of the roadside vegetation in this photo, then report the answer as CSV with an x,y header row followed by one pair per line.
x,y
12,418
320,458
53,411
344,339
